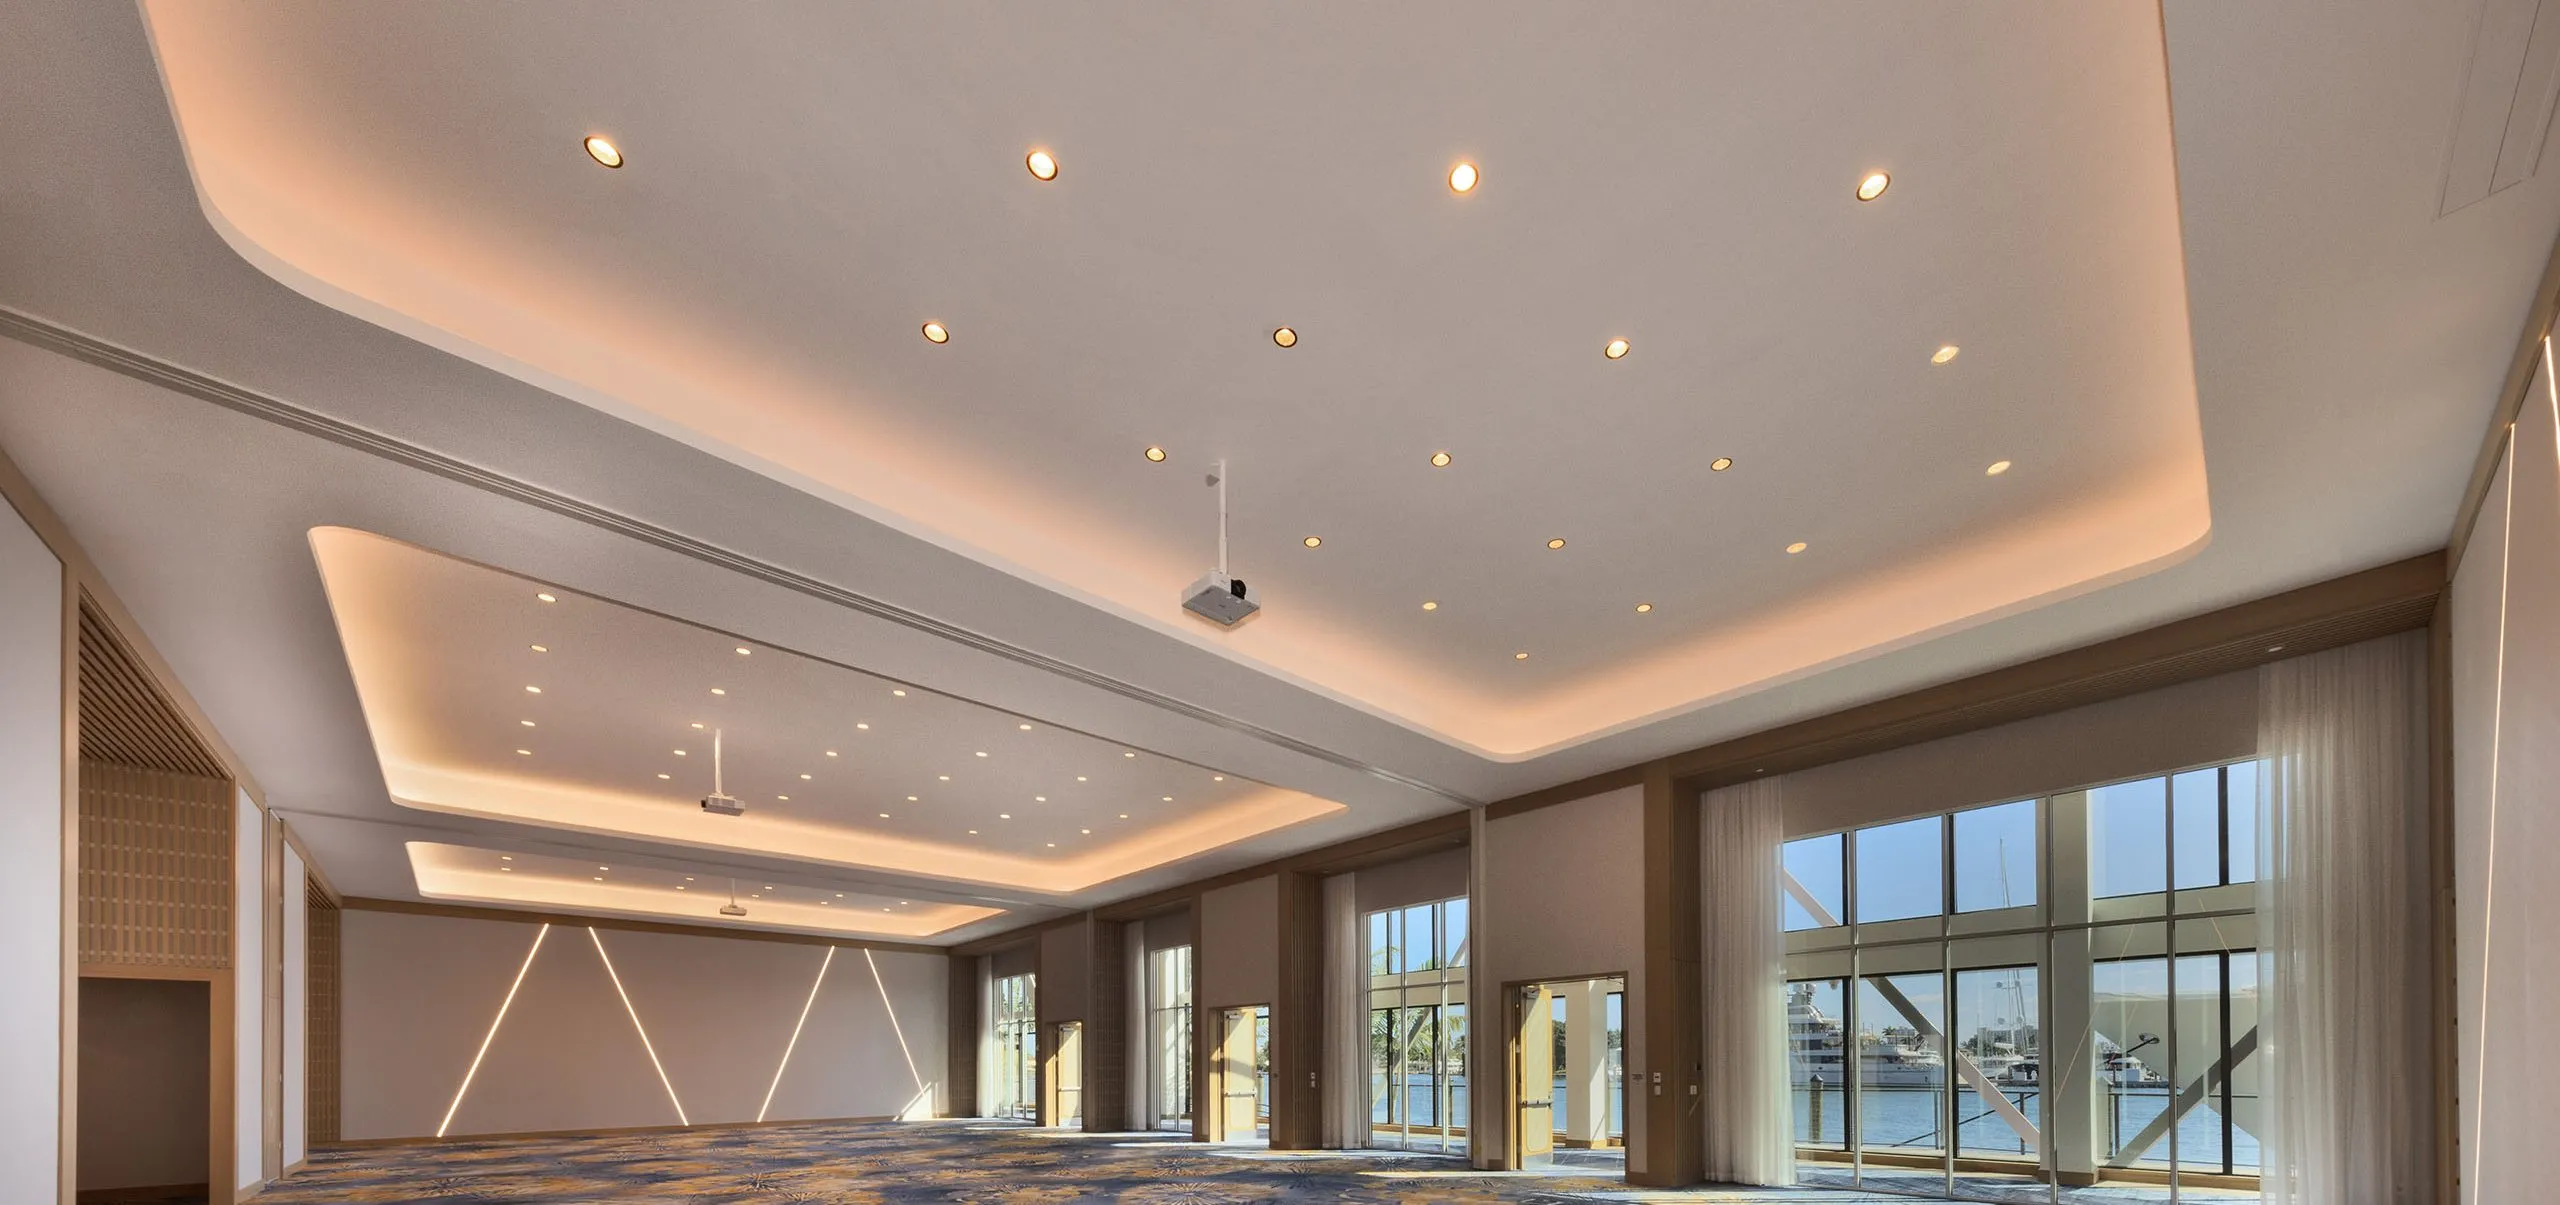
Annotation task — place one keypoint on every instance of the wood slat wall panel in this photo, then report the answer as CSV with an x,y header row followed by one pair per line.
x,y
155,868
321,1026
125,720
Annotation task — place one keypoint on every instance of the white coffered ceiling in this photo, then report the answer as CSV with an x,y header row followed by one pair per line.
x,y
690,394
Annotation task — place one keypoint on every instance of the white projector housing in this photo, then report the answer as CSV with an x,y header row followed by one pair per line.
x,y
1218,598
722,805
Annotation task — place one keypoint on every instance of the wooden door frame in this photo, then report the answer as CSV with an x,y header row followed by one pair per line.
x,y
1511,1085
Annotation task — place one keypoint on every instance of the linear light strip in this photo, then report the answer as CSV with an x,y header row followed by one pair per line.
x,y
2497,730
681,1119
894,1027
90,349
794,1044
494,1022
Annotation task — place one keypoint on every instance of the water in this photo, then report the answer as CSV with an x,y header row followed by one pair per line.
x,y
1908,1118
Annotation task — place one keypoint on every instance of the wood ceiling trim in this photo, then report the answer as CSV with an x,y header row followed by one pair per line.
x,y
125,718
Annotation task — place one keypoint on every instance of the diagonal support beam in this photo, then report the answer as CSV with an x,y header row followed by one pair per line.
x,y
2188,1098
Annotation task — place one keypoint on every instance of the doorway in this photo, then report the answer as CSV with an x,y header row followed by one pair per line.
x,y
1066,1074
1243,1071
1569,1084
146,1090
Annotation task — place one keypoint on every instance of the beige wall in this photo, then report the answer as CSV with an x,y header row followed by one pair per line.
x,y
1240,944
31,886
146,1048
2192,724
1422,880
421,991
1564,898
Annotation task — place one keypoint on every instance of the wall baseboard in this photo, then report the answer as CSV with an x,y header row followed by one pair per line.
x,y
608,1132
148,1195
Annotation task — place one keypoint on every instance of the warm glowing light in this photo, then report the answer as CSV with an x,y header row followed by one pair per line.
x,y
911,799
1519,656
831,753
602,150
1285,337
1644,608
1795,548
681,1119
548,597
1945,353
679,752
1873,186
1129,754
533,690
1439,460
1462,178
1155,454
1616,350
744,651
1555,543
1313,541
525,752
1004,815
935,332
865,727
1043,165
1997,467
697,726
900,693
526,723
540,649
666,776
1024,727
494,1022
794,1043
1430,606
1720,463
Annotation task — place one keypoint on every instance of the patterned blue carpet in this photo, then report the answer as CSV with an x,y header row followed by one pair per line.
x,y
967,1163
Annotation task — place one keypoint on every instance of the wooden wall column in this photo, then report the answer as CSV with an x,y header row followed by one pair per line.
x,y
1297,1017
1674,1131
1106,1031
962,1045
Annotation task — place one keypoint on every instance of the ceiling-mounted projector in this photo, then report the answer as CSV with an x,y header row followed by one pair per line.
x,y
1221,598
717,803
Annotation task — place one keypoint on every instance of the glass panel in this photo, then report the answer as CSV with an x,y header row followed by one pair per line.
x,y
1421,939
1379,953
1617,1069
2195,823
2128,839
2241,822
1901,870
1453,1063
1995,851
1997,1017
1453,924
1262,1066
2129,1018
2240,1099
1383,1110
1814,864
1902,1063
1816,1062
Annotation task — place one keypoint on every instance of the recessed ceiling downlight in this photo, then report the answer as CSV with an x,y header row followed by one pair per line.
x,y
1521,656
1795,548
1439,460
1644,608
1462,178
1555,543
1873,185
935,332
1945,352
1043,165
603,151
1285,337
1155,454
1313,541
1997,467
548,597
1615,350
1720,463
1430,606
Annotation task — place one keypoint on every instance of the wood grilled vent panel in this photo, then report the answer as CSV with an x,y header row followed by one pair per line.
x,y
321,1063
125,719
155,868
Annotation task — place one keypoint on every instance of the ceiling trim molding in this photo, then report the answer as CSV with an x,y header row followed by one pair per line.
x,y
362,903
2538,321
88,349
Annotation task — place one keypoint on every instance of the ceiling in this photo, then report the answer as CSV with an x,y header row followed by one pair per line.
x,y
690,394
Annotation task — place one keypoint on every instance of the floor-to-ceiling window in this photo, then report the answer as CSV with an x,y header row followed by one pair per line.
x,y
2040,1000
1418,1025
1017,1030
1169,1036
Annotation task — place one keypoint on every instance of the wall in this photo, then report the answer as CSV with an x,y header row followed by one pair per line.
x,y
2505,613
248,1018
1422,880
1240,944
421,992
31,882
2191,724
144,1067
297,1008
1564,898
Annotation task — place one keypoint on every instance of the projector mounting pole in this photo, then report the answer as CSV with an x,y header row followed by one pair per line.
x,y
715,772
1219,479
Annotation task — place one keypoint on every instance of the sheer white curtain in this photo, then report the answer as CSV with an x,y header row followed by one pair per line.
x,y
1749,1117
1346,1020
2349,1115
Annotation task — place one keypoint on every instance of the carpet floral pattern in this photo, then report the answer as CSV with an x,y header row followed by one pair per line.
x,y
892,1163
